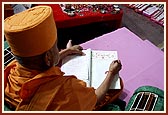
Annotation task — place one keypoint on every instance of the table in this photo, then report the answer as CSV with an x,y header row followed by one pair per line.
x,y
142,62
64,21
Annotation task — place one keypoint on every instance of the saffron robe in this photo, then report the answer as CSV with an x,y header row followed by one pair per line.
x,y
27,89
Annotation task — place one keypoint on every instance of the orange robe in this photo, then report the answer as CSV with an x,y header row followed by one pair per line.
x,y
27,89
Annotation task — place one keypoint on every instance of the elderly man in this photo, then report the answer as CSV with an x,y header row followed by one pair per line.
x,y
34,81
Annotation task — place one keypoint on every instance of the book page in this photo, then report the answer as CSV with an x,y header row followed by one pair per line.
x,y
78,66
101,61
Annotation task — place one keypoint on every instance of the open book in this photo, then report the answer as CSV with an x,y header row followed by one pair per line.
x,y
91,67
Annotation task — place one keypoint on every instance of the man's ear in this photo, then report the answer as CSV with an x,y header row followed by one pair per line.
x,y
48,58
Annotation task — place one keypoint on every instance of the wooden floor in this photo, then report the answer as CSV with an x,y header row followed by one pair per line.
x,y
143,27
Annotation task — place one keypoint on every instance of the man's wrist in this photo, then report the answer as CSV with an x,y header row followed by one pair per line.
x,y
110,74
63,53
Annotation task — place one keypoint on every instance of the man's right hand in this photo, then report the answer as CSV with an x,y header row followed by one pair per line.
x,y
115,67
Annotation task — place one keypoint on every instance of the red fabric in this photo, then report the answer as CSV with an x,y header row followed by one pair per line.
x,y
64,21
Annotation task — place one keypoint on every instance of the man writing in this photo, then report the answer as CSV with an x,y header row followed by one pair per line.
x,y
32,81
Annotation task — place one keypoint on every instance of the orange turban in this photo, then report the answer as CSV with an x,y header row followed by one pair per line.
x,y
31,32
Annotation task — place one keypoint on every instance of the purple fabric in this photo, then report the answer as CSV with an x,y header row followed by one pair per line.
x,y
142,62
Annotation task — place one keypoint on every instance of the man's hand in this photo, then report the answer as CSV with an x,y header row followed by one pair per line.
x,y
115,67
76,49
70,50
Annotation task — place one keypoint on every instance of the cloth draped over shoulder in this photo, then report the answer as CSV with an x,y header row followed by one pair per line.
x,y
27,89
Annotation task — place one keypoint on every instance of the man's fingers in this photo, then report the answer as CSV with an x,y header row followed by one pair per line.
x,y
80,48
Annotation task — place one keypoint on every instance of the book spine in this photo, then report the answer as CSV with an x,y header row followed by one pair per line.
x,y
90,67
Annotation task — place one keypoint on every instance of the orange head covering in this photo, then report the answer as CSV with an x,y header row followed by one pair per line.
x,y
31,32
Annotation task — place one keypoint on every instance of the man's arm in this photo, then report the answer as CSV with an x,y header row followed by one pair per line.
x,y
114,68
76,49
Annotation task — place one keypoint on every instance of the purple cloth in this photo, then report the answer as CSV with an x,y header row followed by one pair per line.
x,y
142,62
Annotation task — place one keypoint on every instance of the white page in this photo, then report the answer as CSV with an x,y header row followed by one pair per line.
x,y
101,61
78,66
